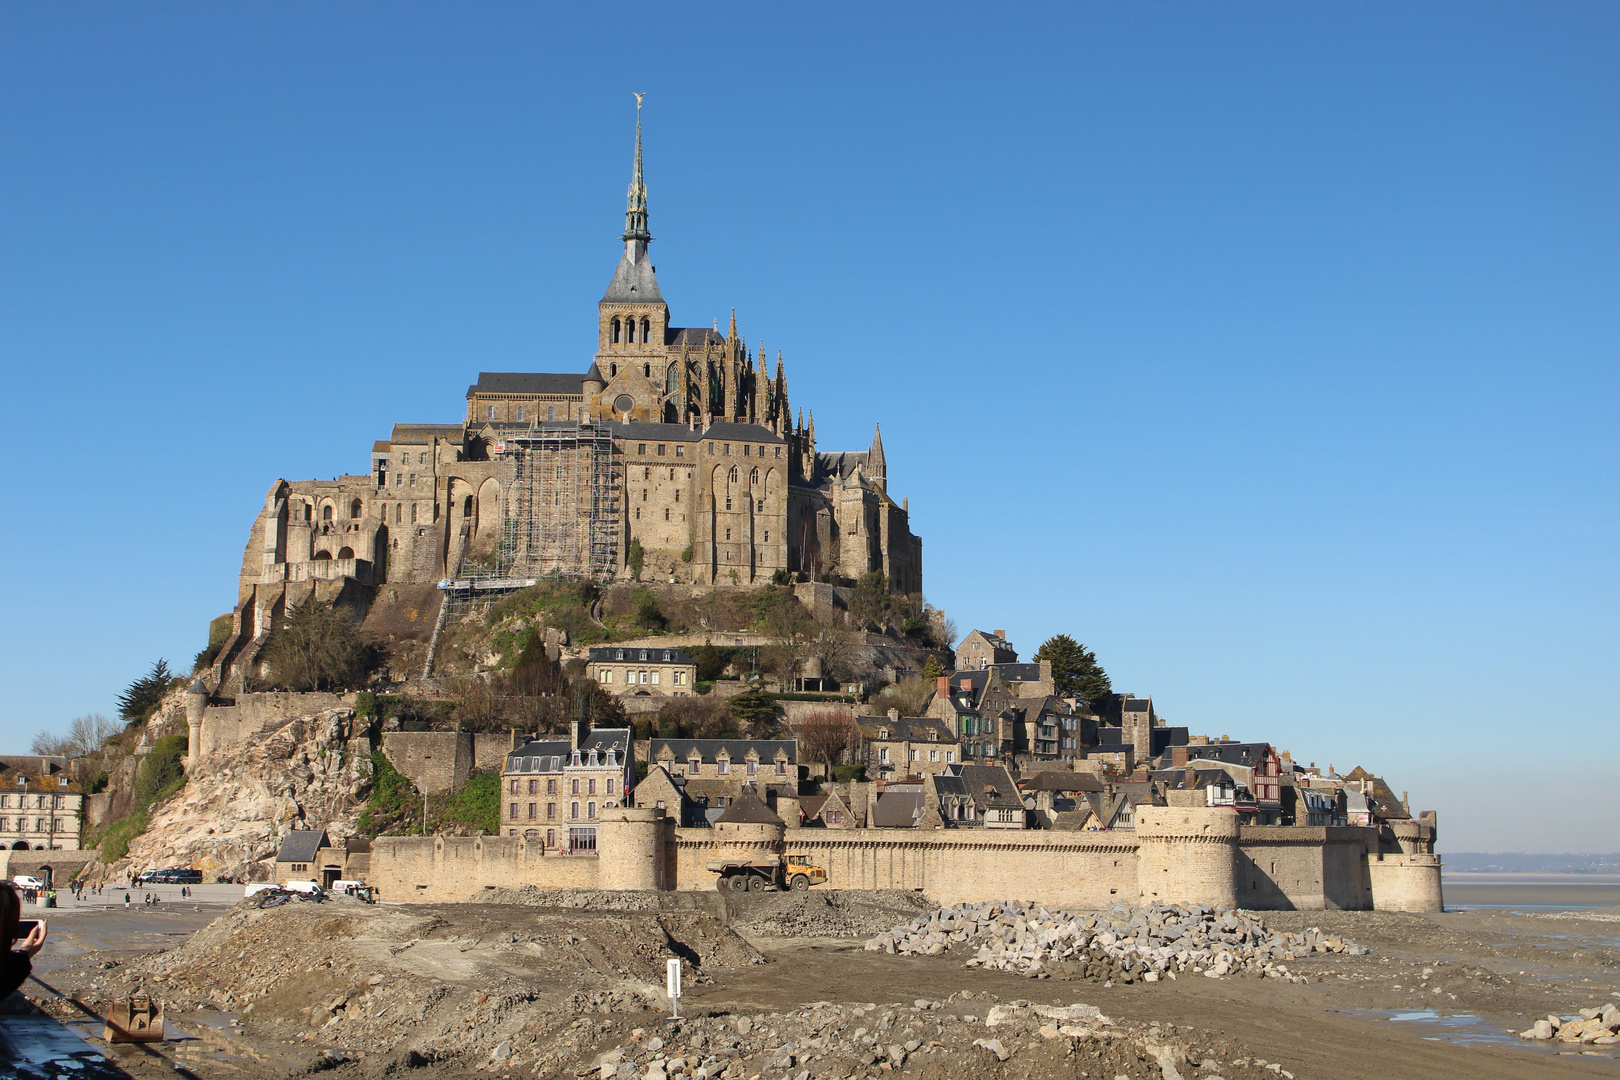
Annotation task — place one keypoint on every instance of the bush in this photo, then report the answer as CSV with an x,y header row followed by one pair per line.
x,y
393,799
478,803
159,777
712,661
218,631
845,774
636,557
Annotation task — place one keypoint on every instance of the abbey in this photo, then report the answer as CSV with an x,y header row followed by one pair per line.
x,y
674,456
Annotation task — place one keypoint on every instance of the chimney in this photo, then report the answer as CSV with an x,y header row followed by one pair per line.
x,y
894,714
942,686
1001,634
967,684
1178,756
1192,778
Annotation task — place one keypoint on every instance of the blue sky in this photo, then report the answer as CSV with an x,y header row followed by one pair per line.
x,y
1270,350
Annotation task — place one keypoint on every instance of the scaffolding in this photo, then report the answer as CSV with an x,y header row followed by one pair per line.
x,y
559,512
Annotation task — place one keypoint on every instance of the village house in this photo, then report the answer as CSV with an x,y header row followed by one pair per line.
x,y
1254,766
980,649
307,855
40,803
634,672
977,796
712,773
554,790
897,746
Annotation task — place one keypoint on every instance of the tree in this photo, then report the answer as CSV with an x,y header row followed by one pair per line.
x,y
143,696
931,670
791,629
756,710
827,734
841,650
317,647
1075,671
911,696
869,602
85,735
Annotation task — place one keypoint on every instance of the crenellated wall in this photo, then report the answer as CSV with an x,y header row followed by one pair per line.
x,y
1189,855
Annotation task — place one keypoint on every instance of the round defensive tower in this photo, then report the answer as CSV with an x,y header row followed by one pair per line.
x,y
628,841
196,704
1187,855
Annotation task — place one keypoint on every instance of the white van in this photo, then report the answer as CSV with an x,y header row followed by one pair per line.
x,y
25,882
259,887
308,888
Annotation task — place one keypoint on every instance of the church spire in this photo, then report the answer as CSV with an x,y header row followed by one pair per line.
x,y
877,467
635,213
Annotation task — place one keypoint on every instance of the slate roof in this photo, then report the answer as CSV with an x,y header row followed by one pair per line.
x,y
1052,780
1019,672
553,755
696,336
612,654
633,283
421,434
897,810
527,382
980,779
736,749
812,804
1247,755
301,845
748,810
905,729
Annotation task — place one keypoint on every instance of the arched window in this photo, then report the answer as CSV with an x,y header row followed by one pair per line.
x,y
734,474
520,414
551,412
326,512
646,370
354,509
630,331
753,478
646,330
346,553
466,506
615,338
322,555
613,369
672,379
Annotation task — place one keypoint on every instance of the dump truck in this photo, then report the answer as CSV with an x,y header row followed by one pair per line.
x,y
796,872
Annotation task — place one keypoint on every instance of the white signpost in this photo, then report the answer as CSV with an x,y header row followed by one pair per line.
x,y
672,983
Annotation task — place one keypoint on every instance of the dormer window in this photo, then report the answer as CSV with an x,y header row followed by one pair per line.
x,y
695,764
612,756
575,761
593,760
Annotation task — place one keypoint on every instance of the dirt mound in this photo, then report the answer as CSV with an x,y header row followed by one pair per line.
x,y
371,978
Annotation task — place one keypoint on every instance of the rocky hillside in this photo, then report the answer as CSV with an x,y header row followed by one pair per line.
x,y
312,772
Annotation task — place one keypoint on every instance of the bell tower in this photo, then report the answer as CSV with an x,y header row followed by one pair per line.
x,y
632,317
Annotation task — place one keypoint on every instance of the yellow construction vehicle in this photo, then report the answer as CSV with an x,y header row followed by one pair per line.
x,y
795,872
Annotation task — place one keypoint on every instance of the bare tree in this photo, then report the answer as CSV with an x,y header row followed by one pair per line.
x,y
841,649
85,735
826,735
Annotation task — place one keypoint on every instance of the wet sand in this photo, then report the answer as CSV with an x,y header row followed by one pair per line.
x,y
1534,892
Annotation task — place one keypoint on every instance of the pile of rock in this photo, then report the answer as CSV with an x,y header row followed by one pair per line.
x,y
1597,1026
1122,944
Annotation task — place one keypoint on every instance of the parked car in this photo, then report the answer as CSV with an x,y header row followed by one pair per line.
x,y
257,887
26,882
177,876
310,889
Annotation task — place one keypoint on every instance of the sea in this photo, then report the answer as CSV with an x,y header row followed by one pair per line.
x,y
1531,892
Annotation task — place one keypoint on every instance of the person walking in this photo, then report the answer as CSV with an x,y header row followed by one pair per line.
x,y
126,901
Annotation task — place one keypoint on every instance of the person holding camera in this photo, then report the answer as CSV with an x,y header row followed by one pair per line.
x,y
22,939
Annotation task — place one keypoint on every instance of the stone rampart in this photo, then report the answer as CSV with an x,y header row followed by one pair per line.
x,y
1187,855
441,761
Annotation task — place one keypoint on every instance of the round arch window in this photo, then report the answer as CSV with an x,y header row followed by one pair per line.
x,y
624,403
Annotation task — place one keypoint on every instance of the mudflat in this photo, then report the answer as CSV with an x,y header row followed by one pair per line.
x,y
527,990
1543,891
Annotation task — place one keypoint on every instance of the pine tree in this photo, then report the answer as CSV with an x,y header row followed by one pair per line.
x,y
1075,670
142,697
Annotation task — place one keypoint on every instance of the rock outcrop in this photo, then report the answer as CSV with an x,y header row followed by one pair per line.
x,y
310,772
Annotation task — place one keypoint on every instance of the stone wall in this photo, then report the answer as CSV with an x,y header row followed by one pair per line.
x,y
227,725
1176,854
440,761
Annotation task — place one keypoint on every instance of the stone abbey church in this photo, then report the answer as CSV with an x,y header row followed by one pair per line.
x,y
675,453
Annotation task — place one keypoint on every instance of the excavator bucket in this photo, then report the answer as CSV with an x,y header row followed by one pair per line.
x,y
134,1019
